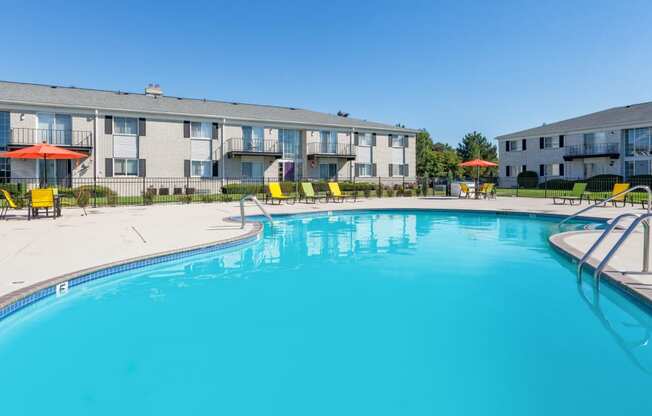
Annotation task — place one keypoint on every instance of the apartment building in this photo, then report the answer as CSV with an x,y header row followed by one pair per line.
x,y
130,135
614,141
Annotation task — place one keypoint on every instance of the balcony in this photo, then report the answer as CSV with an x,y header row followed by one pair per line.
x,y
253,147
75,139
583,151
340,150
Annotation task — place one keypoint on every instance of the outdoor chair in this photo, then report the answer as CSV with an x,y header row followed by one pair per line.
x,y
488,190
619,188
308,193
9,204
465,192
578,193
41,199
276,193
334,192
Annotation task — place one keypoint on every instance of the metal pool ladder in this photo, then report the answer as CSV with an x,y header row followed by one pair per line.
x,y
255,200
643,218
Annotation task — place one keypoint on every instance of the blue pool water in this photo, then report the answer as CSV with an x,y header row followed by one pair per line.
x,y
372,313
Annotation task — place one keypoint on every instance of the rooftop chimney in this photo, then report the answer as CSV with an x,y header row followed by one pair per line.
x,y
154,90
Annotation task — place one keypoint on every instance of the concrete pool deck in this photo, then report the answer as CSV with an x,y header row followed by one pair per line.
x,y
43,249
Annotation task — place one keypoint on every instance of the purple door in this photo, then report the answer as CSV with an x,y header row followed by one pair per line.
x,y
288,171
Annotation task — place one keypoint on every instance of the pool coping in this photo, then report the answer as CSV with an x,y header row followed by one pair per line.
x,y
620,280
16,300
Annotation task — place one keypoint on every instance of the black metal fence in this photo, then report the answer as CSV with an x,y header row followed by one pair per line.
x,y
151,190
597,187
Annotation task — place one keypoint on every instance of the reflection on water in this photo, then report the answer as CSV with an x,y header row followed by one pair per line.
x,y
629,325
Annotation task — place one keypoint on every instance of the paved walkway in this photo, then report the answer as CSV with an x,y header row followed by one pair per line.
x,y
42,249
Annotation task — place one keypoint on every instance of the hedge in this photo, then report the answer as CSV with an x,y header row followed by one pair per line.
x,y
527,179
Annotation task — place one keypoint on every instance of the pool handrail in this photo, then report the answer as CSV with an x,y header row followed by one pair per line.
x,y
252,198
641,219
605,233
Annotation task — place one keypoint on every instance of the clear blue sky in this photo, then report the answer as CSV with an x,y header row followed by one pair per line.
x,y
447,66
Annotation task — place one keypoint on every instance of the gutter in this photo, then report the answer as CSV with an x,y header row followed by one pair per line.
x,y
212,116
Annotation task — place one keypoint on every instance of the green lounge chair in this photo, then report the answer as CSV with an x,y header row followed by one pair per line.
x,y
578,193
308,193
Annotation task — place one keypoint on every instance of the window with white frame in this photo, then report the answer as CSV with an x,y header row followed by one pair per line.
x,y
637,141
125,167
125,126
125,146
515,145
553,169
551,142
365,139
252,170
365,169
398,141
200,130
328,141
253,138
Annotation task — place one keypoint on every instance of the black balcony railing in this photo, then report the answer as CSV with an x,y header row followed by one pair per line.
x,y
597,149
21,136
331,149
253,146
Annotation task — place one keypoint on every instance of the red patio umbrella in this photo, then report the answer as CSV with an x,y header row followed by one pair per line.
x,y
477,163
43,151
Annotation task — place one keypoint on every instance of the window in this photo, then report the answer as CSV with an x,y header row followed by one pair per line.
x,y
252,170
200,130
551,142
637,142
365,169
328,141
637,167
290,143
552,169
515,145
125,167
252,138
397,169
54,128
125,126
398,141
365,139
201,168
327,170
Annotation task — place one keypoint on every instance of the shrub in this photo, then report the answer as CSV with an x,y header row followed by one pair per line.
x,y
112,199
207,198
557,184
185,199
527,179
148,196
82,197
602,183
379,192
640,180
407,192
97,191
243,188
366,193
389,191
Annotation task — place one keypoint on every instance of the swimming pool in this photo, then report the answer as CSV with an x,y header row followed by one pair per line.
x,y
378,313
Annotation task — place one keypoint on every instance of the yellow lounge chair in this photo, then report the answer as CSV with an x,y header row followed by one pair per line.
x,y
487,190
619,188
41,198
465,192
334,192
9,203
276,194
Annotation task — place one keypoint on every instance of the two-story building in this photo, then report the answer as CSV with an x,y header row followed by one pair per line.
x,y
614,141
152,135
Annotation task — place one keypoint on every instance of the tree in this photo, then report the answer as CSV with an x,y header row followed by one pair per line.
x,y
476,146
435,159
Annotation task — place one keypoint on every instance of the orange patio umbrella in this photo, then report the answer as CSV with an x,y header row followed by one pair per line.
x,y
477,163
43,151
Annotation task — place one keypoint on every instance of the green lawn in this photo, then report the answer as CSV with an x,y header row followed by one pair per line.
x,y
635,197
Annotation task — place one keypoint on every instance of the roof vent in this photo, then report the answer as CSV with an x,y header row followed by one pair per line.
x,y
153,90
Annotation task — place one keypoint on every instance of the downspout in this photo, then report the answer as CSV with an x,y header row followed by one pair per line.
x,y
351,134
95,145
223,162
